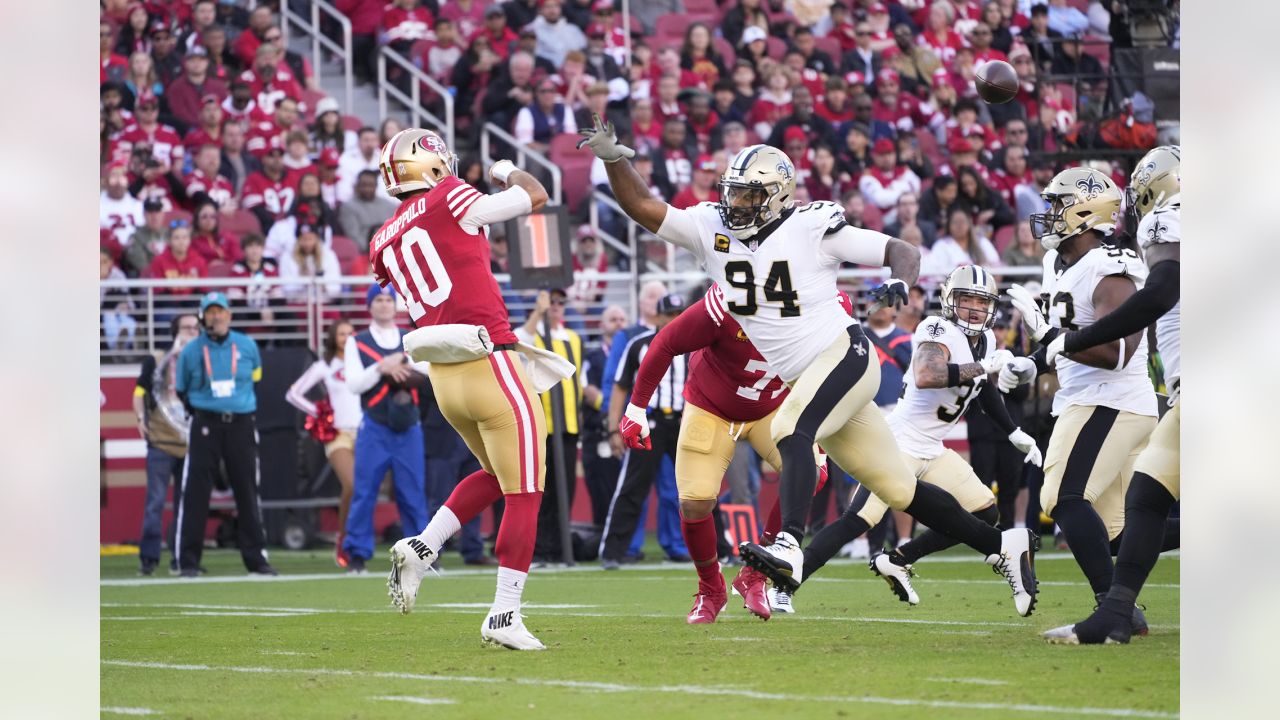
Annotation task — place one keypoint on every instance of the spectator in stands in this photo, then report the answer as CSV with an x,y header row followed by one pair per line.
x,y
649,11
118,326
571,81
365,211
772,104
986,207
899,109
962,245
1065,19
246,45
910,154
804,42
113,64
178,262
602,65
268,82
938,34
702,188
164,52
166,446
237,164
204,15
824,182
673,160
254,266
667,104
327,130
240,105
327,172
1027,197
1014,172
147,241
754,49
589,260
359,157
153,180
547,319
863,59
936,202
283,122
1073,61
999,25
912,235
745,14
699,57
118,210
702,123
208,131
268,193
615,42
141,79
223,63
297,65
802,116
520,12
205,180
915,64
544,118
1025,250
646,129
835,106
887,179
365,17
1040,39
854,154
133,36
405,22
466,16
962,155
310,259
297,154
445,52
208,241
510,91
310,203
556,35
854,207
733,137
980,38
907,215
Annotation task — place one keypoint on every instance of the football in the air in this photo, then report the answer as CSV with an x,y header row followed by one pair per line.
x,y
996,81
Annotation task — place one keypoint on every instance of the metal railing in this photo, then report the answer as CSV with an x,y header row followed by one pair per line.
x,y
522,153
301,316
318,40
413,100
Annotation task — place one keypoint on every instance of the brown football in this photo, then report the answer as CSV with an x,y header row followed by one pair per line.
x,y
997,82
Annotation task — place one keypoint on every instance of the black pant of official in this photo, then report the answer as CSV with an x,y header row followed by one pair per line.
x,y
232,440
601,476
547,547
639,470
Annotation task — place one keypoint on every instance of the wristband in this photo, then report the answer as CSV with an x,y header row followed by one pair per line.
x,y
1048,336
502,170
1120,356
953,375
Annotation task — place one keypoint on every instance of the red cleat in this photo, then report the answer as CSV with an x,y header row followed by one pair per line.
x,y
339,555
750,584
707,605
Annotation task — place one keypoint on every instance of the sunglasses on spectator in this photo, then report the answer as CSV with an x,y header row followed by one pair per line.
x,y
1017,131
104,33
559,302
863,33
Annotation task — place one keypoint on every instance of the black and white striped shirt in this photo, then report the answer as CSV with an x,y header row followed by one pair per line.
x,y
670,394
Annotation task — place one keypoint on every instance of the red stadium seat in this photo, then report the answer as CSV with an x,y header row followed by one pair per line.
x,y
929,146
1068,94
345,248
241,222
775,48
727,53
352,123
309,99
702,7
872,217
219,269
358,265
829,45
672,26
575,168
1003,237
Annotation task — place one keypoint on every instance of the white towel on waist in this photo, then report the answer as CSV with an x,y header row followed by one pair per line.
x,y
544,367
448,343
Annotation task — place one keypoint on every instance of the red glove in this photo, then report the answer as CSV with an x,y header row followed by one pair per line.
x,y
634,428
820,457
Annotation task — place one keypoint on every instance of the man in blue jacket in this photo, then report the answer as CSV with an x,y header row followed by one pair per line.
x,y
215,378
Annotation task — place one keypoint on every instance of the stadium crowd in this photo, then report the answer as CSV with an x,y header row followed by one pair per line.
x,y
221,157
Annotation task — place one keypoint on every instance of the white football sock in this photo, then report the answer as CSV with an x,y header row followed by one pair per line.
x,y
444,525
510,589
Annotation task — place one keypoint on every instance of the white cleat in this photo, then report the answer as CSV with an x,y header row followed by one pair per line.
x,y
858,549
1065,635
410,561
780,601
782,562
897,576
1016,562
505,628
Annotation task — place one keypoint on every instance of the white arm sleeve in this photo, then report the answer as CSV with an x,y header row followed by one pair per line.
x,y
681,229
359,377
499,207
850,244
296,396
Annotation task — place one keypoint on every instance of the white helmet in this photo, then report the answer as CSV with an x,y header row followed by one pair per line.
x,y
1080,199
970,280
1155,180
758,186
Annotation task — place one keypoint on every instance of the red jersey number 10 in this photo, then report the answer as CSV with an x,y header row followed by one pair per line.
x,y
417,269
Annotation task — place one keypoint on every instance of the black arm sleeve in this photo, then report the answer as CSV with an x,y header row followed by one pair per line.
x,y
993,406
1144,307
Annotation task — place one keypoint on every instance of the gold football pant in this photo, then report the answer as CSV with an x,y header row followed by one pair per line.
x,y
845,421
491,404
1161,458
1091,456
706,445
948,471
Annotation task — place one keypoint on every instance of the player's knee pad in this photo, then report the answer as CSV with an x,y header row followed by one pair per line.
x,y
989,515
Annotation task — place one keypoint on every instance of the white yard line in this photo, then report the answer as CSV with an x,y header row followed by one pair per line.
x,y
724,691
415,700
129,711
967,681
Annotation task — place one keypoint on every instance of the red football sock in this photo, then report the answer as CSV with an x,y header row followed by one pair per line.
x,y
518,531
472,495
772,525
700,538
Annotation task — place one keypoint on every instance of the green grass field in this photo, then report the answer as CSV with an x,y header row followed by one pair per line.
x,y
316,644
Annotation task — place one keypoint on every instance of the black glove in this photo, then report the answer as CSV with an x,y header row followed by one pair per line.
x,y
891,294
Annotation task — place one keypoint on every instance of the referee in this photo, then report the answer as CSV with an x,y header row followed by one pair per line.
x,y
215,378
640,467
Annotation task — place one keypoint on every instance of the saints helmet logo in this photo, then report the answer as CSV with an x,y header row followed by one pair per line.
x,y
785,170
1090,186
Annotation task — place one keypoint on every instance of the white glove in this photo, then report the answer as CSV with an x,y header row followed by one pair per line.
x,y
1026,444
1055,348
602,141
996,362
1027,306
502,170
1019,371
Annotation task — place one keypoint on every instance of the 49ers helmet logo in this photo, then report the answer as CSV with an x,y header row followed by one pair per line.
x,y
433,143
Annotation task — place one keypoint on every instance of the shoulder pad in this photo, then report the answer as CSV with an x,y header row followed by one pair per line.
x,y
932,330
1161,226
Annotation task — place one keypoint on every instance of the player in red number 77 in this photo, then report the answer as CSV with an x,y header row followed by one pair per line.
x,y
435,251
730,393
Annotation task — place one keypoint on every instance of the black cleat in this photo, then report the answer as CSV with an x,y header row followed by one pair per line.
x,y
777,562
1137,621
1103,627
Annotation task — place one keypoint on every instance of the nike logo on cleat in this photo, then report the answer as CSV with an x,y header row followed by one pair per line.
x,y
420,548
501,620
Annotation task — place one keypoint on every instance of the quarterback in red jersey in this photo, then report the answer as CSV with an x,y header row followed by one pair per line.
x,y
730,393
435,251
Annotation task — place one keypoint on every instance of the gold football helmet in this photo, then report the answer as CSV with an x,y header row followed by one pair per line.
x,y
415,159
1080,199
1157,177
970,280
758,186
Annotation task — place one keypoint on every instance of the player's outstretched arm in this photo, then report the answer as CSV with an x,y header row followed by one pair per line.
x,y
628,187
1158,296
